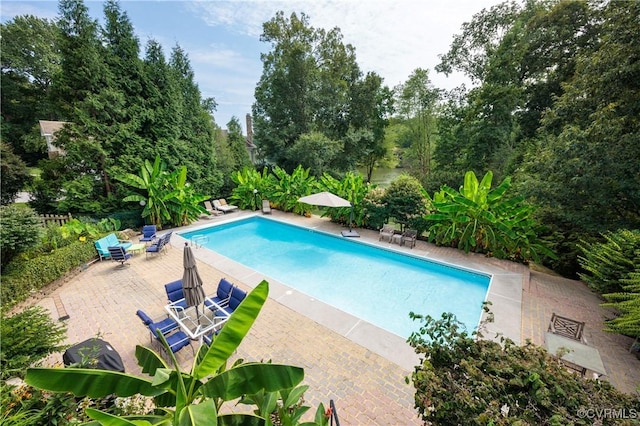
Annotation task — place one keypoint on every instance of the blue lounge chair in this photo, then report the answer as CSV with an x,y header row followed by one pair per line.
x,y
118,254
175,294
103,244
159,245
223,294
176,340
148,233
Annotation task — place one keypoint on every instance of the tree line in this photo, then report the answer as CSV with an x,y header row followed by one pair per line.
x,y
121,108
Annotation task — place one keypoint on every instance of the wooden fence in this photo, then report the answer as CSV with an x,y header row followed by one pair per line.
x,y
46,219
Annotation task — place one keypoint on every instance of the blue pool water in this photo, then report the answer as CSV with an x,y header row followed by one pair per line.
x,y
377,285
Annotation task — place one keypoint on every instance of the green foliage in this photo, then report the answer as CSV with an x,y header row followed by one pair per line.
x,y
194,396
352,188
463,380
247,181
406,201
627,303
608,262
20,229
374,208
15,175
311,85
478,218
28,337
287,188
314,151
167,196
284,407
20,277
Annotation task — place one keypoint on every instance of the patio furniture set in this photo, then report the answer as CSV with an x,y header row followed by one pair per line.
x,y
110,247
185,324
391,234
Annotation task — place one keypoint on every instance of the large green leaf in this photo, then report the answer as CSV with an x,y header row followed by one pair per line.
x,y
203,414
149,360
247,379
92,383
233,331
106,419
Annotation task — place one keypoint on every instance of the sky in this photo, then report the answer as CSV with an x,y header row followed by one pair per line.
x,y
222,38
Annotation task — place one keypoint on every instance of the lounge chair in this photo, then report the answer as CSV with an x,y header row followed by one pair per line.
x,y
148,233
118,254
223,295
221,205
210,209
409,237
566,327
387,232
103,244
266,207
176,339
159,245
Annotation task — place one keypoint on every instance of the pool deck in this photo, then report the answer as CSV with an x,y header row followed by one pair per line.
x,y
361,367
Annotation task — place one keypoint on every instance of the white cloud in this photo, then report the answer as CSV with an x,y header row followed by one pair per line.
x,y
391,37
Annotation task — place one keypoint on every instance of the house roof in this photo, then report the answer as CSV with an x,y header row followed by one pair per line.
x,y
50,127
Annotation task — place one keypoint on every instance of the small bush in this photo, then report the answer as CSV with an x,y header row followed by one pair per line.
x,y
375,209
20,277
26,338
20,230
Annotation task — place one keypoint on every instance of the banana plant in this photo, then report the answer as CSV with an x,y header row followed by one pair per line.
x,y
351,187
284,407
183,203
289,187
152,181
182,398
249,180
478,218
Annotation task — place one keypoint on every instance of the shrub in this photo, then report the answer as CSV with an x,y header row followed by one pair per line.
x,y
478,382
406,200
607,263
375,209
28,337
19,278
627,303
20,230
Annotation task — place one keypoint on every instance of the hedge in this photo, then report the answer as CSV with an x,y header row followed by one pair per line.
x,y
21,277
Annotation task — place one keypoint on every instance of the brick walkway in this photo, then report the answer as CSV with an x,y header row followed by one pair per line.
x,y
368,389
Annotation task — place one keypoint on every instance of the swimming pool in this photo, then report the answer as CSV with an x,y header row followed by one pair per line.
x,y
377,285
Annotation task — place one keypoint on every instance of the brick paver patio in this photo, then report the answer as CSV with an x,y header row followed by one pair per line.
x,y
368,389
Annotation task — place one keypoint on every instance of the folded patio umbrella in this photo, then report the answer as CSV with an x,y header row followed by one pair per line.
x,y
191,281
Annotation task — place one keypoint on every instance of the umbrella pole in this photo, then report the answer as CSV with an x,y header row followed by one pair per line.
x,y
351,217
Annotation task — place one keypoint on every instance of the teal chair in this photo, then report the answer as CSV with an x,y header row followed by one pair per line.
x,y
103,244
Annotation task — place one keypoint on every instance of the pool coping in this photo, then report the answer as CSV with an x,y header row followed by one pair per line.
x,y
504,293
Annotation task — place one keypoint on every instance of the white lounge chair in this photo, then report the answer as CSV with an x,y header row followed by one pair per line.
x,y
221,205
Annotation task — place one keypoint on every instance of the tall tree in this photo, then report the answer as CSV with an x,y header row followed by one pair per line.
x,y
417,100
82,66
283,95
589,157
195,145
29,59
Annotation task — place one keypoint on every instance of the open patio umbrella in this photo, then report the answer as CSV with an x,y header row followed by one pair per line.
x,y
327,199
191,281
